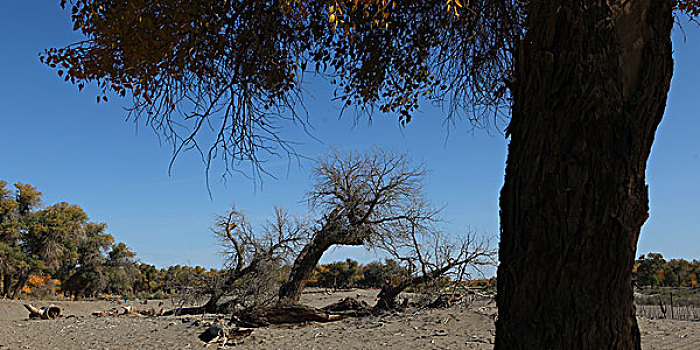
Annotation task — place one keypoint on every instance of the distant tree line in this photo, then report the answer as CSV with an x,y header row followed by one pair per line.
x,y
56,251
57,248
350,273
655,271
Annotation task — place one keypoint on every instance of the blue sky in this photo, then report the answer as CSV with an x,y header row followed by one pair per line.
x,y
78,151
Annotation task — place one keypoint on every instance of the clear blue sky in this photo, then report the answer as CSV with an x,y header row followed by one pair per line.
x,y
78,151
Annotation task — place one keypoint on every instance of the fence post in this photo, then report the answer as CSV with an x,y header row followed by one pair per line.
x,y
671,293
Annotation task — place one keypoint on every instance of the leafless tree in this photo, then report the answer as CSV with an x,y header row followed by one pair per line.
x,y
373,198
363,197
430,255
254,260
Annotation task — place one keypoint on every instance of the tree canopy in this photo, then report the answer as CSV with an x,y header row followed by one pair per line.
x,y
653,270
220,76
57,241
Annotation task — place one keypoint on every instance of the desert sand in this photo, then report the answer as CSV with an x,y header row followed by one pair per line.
x,y
464,326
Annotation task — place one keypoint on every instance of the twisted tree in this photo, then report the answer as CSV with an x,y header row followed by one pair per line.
x,y
253,259
363,198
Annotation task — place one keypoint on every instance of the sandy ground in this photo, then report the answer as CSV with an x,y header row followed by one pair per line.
x,y
460,327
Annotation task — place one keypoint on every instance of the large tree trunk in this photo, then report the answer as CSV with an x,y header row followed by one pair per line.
x,y
334,232
590,90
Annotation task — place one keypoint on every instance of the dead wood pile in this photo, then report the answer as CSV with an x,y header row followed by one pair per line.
x,y
261,316
127,311
350,307
221,334
444,301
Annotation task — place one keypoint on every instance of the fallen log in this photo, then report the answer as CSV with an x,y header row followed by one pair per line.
x,y
349,307
110,312
150,312
444,301
197,310
219,333
347,304
48,312
261,316
127,311
211,307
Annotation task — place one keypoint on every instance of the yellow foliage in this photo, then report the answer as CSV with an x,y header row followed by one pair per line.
x,y
38,281
479,283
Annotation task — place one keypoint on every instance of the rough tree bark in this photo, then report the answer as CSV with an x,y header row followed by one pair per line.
x,y
590,90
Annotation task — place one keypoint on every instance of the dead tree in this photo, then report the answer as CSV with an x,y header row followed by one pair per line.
x,y
362,196
431,255
252,260
262,316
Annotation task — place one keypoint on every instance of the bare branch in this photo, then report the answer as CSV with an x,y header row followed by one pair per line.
x,y
253,260
365,198
223,77
431,255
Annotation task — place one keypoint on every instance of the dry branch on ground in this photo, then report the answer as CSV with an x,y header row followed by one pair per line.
x,y
48,312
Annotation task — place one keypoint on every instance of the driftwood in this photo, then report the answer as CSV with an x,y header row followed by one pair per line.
x,y
219,333
128,310
208,308
48,312
110,312
346,305
261,316
150,312
445,301
349,307
196,310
